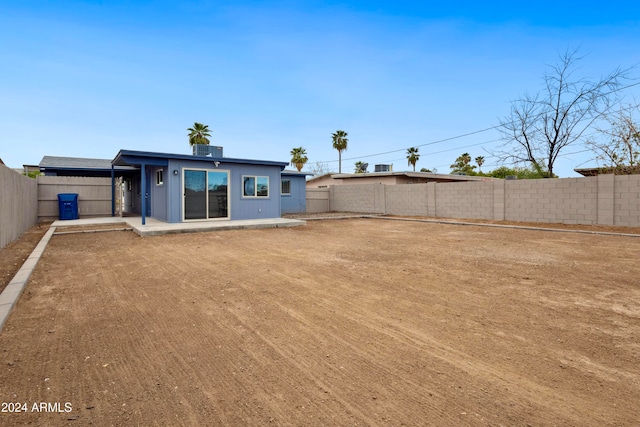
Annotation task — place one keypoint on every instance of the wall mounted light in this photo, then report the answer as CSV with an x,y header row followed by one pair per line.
x,y
216,163
175,171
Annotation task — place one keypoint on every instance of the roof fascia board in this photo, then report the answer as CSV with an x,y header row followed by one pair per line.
x,y
133,157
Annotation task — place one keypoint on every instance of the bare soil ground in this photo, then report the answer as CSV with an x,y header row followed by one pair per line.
x,y
340,322
15,253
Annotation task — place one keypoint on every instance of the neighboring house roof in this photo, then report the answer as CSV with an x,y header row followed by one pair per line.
x,y
410,176
296,173
607,170
76,164
129,157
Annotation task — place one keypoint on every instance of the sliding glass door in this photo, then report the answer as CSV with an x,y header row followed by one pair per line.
x,y
205,194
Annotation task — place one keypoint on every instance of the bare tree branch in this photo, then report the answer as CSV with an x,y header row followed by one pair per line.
x,y
540,127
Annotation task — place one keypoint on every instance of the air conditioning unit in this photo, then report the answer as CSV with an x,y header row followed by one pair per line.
x,y
202,150
383,168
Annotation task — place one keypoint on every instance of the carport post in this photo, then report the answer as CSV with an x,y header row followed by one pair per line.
x,y
143,191
113,191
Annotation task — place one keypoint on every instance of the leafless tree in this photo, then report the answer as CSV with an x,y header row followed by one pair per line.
x,y
540,126
619,149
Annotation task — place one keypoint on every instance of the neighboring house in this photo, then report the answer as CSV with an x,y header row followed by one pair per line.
x,y
390,178
293,191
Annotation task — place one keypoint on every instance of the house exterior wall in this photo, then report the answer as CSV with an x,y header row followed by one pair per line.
x,y
239,207
296,201
159,206
602,199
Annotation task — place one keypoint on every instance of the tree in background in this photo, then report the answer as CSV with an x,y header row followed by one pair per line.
x,y
199,134
480,162
620,150
319,168
539,127
462,165
520,173
360,167
413,157
340,141
299,157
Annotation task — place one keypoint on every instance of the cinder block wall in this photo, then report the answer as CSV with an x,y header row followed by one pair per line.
x,y
567,200
465,200
94,195
18,204
358,198
626,206
605,200
407,199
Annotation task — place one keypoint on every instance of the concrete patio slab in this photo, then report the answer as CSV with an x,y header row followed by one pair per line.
x,y
154,227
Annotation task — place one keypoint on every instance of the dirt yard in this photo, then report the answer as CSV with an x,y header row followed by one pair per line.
x,y
341,322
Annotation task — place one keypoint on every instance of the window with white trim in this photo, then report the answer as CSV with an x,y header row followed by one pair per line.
x,y
255,186
159,176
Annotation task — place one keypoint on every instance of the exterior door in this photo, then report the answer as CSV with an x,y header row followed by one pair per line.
x,y
205,194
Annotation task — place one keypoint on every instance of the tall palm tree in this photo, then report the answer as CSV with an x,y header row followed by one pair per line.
x,y
340,141
466,158
413,157
480,162
199,134
299,157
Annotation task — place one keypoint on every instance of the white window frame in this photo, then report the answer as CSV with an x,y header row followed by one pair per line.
x,y
159,177
255,187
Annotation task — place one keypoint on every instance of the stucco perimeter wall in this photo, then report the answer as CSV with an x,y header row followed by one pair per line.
x,y
94,195
604,199
18,204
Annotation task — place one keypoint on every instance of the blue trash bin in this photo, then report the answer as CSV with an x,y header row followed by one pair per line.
x,y
68,206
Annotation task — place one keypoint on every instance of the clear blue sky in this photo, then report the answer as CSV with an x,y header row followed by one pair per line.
x,y
88,78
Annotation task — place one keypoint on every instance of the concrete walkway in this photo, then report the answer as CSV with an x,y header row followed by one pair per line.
x,y
12,292
154,227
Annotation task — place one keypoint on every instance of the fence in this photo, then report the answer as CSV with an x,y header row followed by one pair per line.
x,y
18,204
94,195
604,199
318,200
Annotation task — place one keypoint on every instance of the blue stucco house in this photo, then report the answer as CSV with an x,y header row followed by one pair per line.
x,y
293,191
207,186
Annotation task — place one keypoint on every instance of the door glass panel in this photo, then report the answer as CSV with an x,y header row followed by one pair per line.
x,y
217,187
195,195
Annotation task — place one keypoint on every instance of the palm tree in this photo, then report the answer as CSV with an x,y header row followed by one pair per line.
x,y
413,157
480,162
199,134
466,158
340,141
299,157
